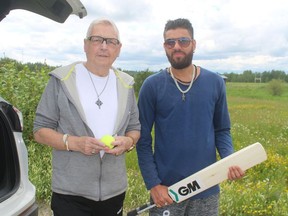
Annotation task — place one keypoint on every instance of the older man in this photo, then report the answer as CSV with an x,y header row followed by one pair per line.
x,y
83,102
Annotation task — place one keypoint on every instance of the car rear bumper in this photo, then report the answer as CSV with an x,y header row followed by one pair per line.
x,y
31,211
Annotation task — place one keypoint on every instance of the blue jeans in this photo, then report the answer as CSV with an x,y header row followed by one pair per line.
x,y
200,207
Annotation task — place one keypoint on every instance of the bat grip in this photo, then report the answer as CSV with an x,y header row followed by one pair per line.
x,y
141,209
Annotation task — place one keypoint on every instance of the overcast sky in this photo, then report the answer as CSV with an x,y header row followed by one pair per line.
x,y
231,35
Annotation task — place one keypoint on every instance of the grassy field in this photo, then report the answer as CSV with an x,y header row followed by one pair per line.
x,y
256,116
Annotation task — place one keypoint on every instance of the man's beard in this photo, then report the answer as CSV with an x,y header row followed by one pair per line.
x,y
180,64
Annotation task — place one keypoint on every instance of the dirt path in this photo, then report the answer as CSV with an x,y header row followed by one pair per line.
x,y
44,210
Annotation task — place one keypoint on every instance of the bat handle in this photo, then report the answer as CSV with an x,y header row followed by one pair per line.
x,y
141,209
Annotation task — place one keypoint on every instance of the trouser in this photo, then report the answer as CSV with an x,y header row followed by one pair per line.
x,y
199,207
68,205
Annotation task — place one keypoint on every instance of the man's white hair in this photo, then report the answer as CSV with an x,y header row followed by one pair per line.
x,y
105,22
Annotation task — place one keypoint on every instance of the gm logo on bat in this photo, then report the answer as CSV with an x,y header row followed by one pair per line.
x,y
186,190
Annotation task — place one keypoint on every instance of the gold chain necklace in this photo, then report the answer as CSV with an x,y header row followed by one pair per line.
x,y
177,85
98,102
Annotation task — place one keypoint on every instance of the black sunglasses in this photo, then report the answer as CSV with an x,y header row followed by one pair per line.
x,y
183,42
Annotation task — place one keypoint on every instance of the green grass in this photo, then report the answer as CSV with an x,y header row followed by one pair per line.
x,y
254,91
256,116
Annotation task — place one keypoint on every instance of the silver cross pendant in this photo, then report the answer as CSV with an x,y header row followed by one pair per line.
x,y
183,97
99,103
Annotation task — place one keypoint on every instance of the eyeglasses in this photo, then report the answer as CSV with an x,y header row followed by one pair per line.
x,y
97,40
183,42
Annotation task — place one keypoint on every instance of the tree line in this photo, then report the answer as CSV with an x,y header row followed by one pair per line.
x,y
139,76
249,76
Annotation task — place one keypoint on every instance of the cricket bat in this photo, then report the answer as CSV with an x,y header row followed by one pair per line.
x,y
212,175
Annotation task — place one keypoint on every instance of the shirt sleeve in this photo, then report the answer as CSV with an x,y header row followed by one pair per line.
x,y
222,125
134,123
146,105
47,113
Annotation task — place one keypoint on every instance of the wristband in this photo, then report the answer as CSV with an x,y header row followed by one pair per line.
x,y
133,145
65,140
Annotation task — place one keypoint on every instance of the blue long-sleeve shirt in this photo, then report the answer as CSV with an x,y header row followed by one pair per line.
x,y
187,133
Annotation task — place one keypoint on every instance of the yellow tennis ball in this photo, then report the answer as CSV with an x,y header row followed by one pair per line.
x,y
107,140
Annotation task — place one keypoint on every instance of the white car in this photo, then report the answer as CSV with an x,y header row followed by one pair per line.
x,y
17,193
57,10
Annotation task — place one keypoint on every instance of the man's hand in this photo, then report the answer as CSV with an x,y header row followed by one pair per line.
x,y
160,196
86,145
235,172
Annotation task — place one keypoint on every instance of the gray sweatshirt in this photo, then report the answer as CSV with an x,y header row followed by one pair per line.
x,y
60,109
